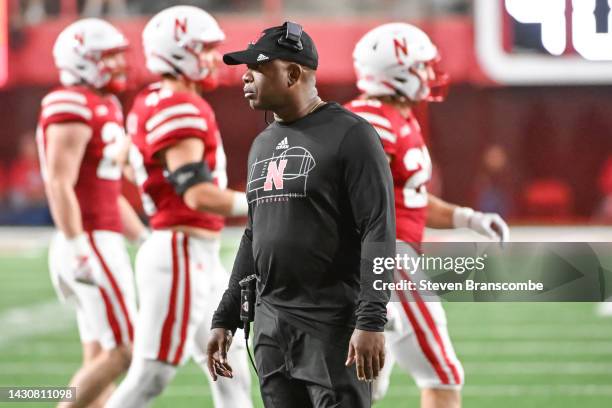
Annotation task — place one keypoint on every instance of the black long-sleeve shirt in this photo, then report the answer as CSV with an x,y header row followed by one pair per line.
x,y
321,209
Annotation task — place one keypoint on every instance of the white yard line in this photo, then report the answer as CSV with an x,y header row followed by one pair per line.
x,y
498,390
562,368
547,348
185,391
510,390
56,349
48,349
37,368
530,234
533,331
24,240
539,367
22,323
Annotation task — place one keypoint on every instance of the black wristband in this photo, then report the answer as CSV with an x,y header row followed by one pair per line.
x,y
188,175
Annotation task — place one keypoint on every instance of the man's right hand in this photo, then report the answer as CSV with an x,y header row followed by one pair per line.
x,y
216,353
83,267
83,270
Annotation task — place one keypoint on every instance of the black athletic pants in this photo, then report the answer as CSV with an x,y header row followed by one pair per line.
x,y
299,370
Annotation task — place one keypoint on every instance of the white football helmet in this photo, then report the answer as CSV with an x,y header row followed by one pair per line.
x,y
174,38
399,59
79,49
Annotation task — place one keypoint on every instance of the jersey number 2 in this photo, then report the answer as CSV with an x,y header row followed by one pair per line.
x,y
113,138
417,160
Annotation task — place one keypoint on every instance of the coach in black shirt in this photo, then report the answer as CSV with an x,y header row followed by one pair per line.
x,y
320,210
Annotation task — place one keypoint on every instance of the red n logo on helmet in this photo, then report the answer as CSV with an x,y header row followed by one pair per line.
x,y
79,38
180,28
400,47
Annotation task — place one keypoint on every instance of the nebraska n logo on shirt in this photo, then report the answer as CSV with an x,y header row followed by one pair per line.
x,y
283,144
280,177
274,177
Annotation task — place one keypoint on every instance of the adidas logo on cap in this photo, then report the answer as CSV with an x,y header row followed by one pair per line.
x,y
283,144
262,57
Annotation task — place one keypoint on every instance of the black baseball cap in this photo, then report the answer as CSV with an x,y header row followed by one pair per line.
x,y
287,42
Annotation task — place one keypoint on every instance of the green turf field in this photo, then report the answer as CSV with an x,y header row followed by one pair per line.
x,y
515,355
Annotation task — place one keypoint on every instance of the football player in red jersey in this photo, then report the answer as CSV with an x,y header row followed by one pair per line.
x,y
396,66
179,163
79,135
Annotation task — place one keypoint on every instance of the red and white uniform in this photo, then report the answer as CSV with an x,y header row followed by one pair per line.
x,y
179,277
410,164
419,342
159,119
99,183
104,312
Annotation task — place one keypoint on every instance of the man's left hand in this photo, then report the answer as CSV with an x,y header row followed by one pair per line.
x,y
490,225
367,350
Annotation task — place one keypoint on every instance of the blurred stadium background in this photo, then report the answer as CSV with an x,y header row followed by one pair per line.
x,y
526,132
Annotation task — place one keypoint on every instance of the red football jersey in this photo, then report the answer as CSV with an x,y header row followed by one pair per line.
x,y
99,183
409,160
158,119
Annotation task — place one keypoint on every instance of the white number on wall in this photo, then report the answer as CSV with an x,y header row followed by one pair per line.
x,y
587,41
550,14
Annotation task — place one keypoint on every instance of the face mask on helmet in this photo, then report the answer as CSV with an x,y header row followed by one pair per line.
x,y
114,67
439,84
198,64
424,81
209,60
